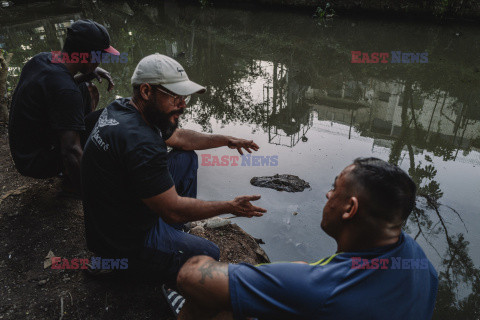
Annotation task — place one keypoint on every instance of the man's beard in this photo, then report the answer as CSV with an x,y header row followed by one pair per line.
x,y
160,119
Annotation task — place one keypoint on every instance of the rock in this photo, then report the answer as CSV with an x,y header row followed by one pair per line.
x,y
42,277
196,224
261,255
281,182
48,260
216,222
198,230
42,282
236,245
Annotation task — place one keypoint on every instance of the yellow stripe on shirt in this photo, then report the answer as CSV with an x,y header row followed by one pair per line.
x,y
321,262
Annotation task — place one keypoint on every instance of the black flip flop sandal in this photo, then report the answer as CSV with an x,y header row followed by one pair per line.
x,y
174,300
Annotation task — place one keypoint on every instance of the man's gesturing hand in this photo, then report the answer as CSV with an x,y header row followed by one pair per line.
x,y
242,207
235,143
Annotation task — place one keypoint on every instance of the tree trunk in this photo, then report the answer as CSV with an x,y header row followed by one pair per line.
x,y
4,62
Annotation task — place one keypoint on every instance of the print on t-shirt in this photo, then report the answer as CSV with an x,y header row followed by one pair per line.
x,y
102,122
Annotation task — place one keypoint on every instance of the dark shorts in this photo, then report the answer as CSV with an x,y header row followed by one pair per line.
x,y
166,246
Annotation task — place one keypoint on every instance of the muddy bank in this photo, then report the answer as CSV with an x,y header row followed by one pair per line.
x,y
33,221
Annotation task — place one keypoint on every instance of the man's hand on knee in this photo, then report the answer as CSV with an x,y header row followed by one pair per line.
x,y
204,282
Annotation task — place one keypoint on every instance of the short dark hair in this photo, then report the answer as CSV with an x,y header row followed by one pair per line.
x,y
389,191
136,90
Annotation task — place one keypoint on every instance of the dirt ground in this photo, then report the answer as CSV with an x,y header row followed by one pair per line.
x,y
34,221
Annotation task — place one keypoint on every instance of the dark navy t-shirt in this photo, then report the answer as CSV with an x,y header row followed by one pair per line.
x,y
46,100
402,286
124,161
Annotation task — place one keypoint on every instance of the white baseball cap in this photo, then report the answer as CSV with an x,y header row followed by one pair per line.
x,y
158,69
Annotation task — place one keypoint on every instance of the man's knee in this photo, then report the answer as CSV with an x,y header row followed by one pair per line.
x,y
43,171
188,276
188,159
183,166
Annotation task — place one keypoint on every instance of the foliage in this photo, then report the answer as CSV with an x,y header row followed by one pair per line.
x,y
324,13
206,3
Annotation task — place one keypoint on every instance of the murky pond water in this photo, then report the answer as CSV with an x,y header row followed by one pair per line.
x,y
287,82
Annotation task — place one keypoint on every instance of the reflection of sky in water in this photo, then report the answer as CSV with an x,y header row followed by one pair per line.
x,y
331,146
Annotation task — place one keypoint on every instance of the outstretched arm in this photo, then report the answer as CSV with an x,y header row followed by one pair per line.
x,y
185,139
204,284
176,209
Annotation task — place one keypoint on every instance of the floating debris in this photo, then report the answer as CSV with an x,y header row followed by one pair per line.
x,y
281,182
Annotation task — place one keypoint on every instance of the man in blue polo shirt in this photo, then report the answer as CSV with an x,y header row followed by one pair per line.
x,y
377,272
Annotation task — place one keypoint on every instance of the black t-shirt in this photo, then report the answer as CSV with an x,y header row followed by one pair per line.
x,y
124,161
46,100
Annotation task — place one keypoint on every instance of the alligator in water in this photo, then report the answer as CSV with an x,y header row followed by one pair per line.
x,y
281,182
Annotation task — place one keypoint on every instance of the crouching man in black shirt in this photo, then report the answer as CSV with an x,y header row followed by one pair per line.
x,y
50,102
135,193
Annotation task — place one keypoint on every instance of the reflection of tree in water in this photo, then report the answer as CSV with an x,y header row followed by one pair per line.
x,y
287,113
459,268
229,98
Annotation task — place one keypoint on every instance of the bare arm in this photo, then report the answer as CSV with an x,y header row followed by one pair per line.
x,y
98,74
175,209
204,284
71,152
191,140
79,78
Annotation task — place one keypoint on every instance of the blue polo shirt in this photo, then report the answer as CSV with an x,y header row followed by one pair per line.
x,y
391,282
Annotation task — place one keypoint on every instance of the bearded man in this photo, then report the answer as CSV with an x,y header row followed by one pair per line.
x,y
136,195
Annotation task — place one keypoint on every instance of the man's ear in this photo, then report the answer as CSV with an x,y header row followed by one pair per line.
x,y
145,91
351,209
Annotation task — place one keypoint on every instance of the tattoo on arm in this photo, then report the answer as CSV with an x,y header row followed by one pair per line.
x,y
209,268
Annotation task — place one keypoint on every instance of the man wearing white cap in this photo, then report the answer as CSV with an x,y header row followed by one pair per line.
x,y
135,193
